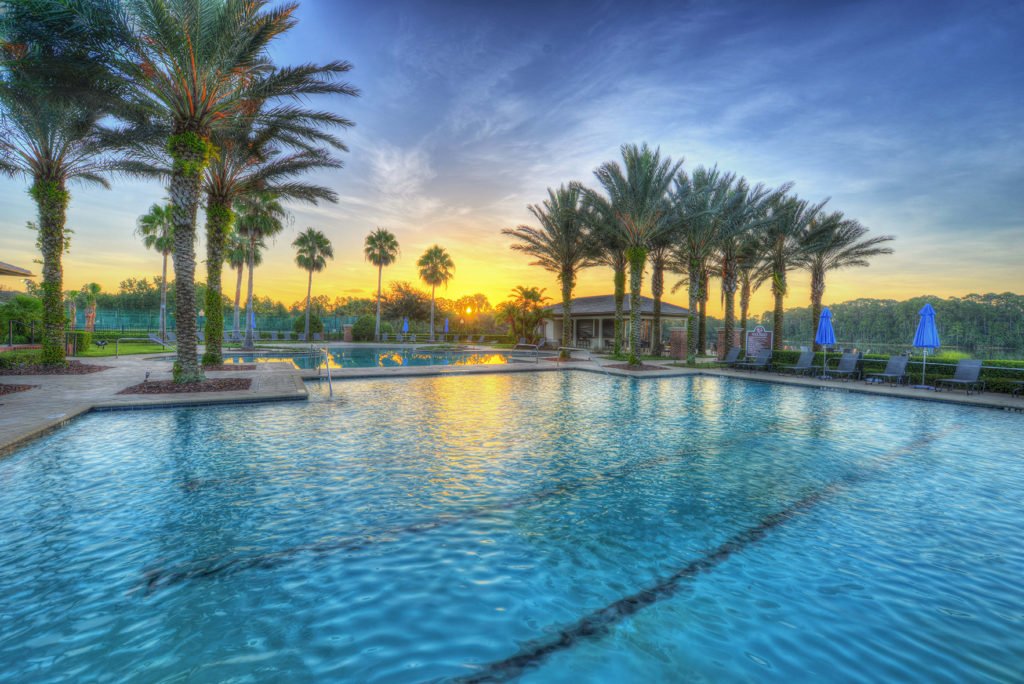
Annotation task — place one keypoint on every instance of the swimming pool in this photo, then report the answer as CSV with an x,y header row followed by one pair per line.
x,y
375,357
546,526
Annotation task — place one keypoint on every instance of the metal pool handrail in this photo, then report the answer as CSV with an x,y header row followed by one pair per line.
x,y
327,364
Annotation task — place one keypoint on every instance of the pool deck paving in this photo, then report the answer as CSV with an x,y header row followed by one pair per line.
x,y
57,399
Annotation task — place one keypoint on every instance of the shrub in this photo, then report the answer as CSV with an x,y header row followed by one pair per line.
x,y
315,324
21,357
80,339
362,329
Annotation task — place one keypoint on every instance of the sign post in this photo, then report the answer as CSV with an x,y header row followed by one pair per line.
x,y
758,339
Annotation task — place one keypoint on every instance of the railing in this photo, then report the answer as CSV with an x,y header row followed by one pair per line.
x,y
327,365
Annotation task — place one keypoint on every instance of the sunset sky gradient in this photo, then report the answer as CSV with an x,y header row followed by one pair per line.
x,y
909,115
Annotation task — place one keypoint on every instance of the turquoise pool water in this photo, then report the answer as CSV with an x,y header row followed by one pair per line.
x,y
542,527
377,357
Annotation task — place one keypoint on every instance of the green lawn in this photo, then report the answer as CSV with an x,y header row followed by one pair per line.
x,y
124,349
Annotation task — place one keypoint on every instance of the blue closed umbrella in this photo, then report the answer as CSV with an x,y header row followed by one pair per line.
x,y
926,337
446,326
405,325
826,337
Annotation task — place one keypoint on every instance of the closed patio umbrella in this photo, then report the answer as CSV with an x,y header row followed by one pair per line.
x,y
826,337
446,326
405,324
926,337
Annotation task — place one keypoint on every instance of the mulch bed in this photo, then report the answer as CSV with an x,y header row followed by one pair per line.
x,y
11,389
73,368
231,367
171,387
645,367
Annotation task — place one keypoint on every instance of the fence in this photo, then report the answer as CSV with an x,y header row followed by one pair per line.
x,y
890,348
126,321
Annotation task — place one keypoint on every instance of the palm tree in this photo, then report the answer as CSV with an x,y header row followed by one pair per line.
x,y
265,152
313,249
89,293
157,232
238,256
749,269
524,311
436,268
259,217
380,249
783,245
637,195
611,252
699,203
71,298
561,245
831,243
53,95
742,218
197,66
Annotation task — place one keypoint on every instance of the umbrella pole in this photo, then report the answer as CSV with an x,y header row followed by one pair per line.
x,y
924,365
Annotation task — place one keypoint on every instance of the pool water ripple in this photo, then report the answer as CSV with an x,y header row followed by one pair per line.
x,y
484,513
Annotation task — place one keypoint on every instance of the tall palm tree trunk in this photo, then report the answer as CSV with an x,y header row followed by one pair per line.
x,y
249,343
779,291
52,202
433,288
817,295
702,328
376,326
163,300
729,314
637,256
693,272
620,296
567,285
238,297
309,291
745,294
190,153
657,289
218,221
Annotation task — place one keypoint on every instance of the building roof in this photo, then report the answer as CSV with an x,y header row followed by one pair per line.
x,y
8,270
604,305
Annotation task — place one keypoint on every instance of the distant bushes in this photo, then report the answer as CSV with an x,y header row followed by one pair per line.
x,y
315,324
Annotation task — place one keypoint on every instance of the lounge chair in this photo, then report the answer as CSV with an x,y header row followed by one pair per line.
x,y
480,340
172,338
895,371
302,337
968,372
847,367
273,336
804,364
383,337
318,337
761,362
1019,392
412,337
732,357
202,337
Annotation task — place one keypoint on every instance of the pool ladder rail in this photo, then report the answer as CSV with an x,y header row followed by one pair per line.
x,y
325,364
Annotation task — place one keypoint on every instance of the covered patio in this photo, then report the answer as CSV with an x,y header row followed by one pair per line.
x,y
9,270
593,321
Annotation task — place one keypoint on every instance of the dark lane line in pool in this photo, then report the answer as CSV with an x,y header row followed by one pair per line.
x,y
599,622
156,579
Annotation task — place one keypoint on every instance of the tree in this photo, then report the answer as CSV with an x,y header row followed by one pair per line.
x,y
743,218
265,152
637,195
157,232
436,268
53,96
89,293
238,256
699,203
783,245
611,252
313,249
71,298
259,217
380,249
192,67
523,312
561,245
831,243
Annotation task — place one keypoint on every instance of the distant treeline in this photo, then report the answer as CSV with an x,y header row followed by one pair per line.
x,y
975,323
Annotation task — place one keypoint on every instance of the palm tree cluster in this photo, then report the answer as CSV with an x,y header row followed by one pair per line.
x,y
195,100
649,212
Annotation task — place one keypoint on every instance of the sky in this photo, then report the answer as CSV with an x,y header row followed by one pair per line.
x,y
908,115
